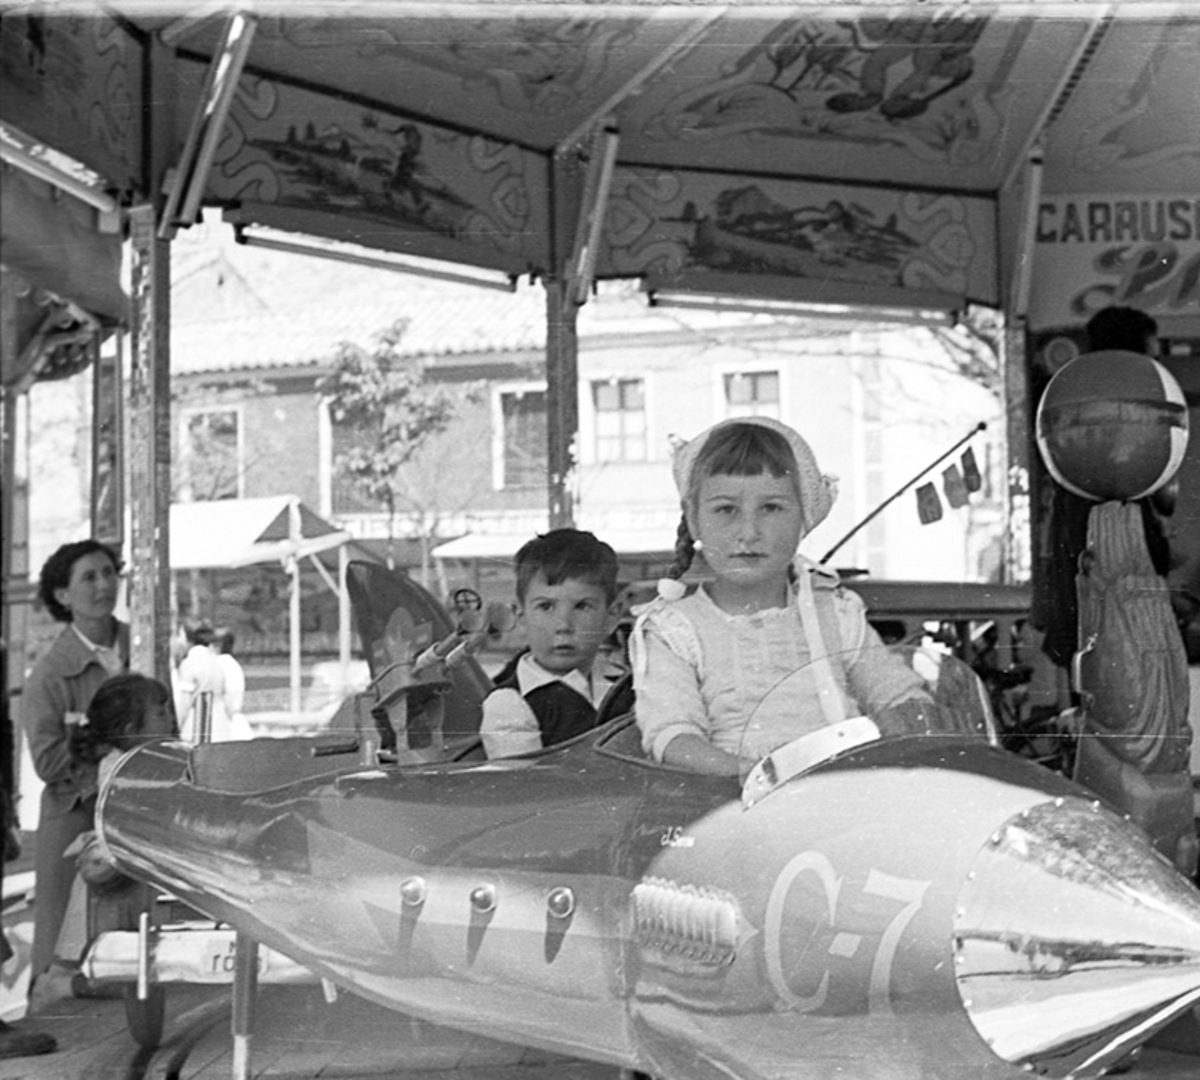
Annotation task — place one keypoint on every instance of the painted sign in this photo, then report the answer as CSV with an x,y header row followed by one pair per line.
x,y
1097,250
713,232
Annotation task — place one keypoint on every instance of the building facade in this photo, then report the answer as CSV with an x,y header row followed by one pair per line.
x,y
254,332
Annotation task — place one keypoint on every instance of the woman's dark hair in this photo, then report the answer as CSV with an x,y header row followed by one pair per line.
x,y
1121,328
203,634
734,450
114,716
56,573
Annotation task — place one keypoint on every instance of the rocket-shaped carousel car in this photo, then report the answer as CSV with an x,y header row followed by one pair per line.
x,y
918,906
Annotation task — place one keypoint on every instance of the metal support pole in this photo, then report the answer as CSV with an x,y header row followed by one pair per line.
x,y
14,513
1019,451
1031,198
344,617
143,955
245,989
149,448
294,535
220,85
108,445
1018,542
203,705
590,226
562,401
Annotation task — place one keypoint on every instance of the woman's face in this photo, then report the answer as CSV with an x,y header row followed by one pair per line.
x,y
749,526
91,592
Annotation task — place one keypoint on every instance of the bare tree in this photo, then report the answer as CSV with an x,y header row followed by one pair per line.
x,y
974,347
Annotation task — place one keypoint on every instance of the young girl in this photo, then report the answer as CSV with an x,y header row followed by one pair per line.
x,y
127,711
705,663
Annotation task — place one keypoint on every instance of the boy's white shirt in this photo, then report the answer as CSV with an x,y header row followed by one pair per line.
x,y
531,675
509,725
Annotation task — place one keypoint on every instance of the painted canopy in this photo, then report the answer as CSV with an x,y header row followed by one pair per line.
x,y
891,154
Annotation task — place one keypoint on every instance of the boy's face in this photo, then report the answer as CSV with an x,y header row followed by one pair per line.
x,y
564,623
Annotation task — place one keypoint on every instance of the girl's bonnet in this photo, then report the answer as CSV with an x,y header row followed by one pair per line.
x,y
817,490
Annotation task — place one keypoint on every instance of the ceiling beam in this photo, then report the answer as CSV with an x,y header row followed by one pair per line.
x,y
190,175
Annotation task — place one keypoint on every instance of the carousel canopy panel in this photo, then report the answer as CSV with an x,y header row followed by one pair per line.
x,y
874,153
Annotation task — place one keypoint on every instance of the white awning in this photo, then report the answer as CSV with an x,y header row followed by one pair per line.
x,y
228,533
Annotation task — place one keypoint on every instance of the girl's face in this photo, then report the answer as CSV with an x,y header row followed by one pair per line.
x,y
158,721
91,592
749,527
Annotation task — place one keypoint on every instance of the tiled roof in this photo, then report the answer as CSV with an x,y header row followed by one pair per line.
x,y
236,308
239,308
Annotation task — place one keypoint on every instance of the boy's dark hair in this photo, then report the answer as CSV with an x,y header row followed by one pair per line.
x,y
1120,328
563,554
114,716
56,573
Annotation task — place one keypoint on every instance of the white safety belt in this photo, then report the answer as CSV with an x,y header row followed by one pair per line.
x,y
828,692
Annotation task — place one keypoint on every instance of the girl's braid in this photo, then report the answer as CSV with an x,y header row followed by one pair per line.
x,y
685,549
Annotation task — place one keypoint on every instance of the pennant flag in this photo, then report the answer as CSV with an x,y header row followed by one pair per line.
x,y
956,490
970,471
929,506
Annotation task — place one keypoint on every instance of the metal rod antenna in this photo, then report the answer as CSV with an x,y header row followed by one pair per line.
x,y
901,490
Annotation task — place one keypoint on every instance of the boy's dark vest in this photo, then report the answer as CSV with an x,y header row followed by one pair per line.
x,y
562,713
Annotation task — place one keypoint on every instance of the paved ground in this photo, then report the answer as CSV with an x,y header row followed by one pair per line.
x,y
298,1035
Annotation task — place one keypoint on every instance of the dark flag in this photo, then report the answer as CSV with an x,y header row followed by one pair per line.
x,y
956,490
929,506
970,471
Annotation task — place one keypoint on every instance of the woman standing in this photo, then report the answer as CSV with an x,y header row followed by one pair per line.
x,y
234,677
79,586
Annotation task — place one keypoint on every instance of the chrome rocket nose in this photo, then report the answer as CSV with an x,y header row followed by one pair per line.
x,y
1075,941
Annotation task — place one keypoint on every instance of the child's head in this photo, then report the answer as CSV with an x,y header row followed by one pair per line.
x,y
201,634
566,586
1122,328
125,711
750,447
563,554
